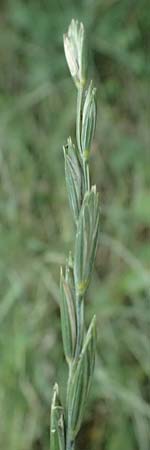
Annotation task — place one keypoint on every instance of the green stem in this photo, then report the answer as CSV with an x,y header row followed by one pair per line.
x,y
69,442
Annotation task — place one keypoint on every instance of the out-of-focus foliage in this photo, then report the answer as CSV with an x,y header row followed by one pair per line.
x,y
36,230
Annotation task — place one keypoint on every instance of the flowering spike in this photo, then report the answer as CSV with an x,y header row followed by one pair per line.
x,y
79,345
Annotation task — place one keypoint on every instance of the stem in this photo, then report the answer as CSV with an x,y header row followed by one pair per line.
x,y
69,442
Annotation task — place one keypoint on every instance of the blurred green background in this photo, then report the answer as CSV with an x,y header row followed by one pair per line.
x,y
37,101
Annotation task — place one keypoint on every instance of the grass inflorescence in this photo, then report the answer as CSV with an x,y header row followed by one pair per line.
x,y
79,344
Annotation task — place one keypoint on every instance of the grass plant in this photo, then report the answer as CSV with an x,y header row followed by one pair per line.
x,y
79,344
36,229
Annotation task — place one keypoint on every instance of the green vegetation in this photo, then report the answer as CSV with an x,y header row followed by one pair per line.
x,y
36,229
79,343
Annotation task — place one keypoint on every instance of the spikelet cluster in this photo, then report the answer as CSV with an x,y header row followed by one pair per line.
x,y
79,344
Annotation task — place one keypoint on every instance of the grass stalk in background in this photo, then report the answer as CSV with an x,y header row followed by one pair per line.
x,y
78,343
